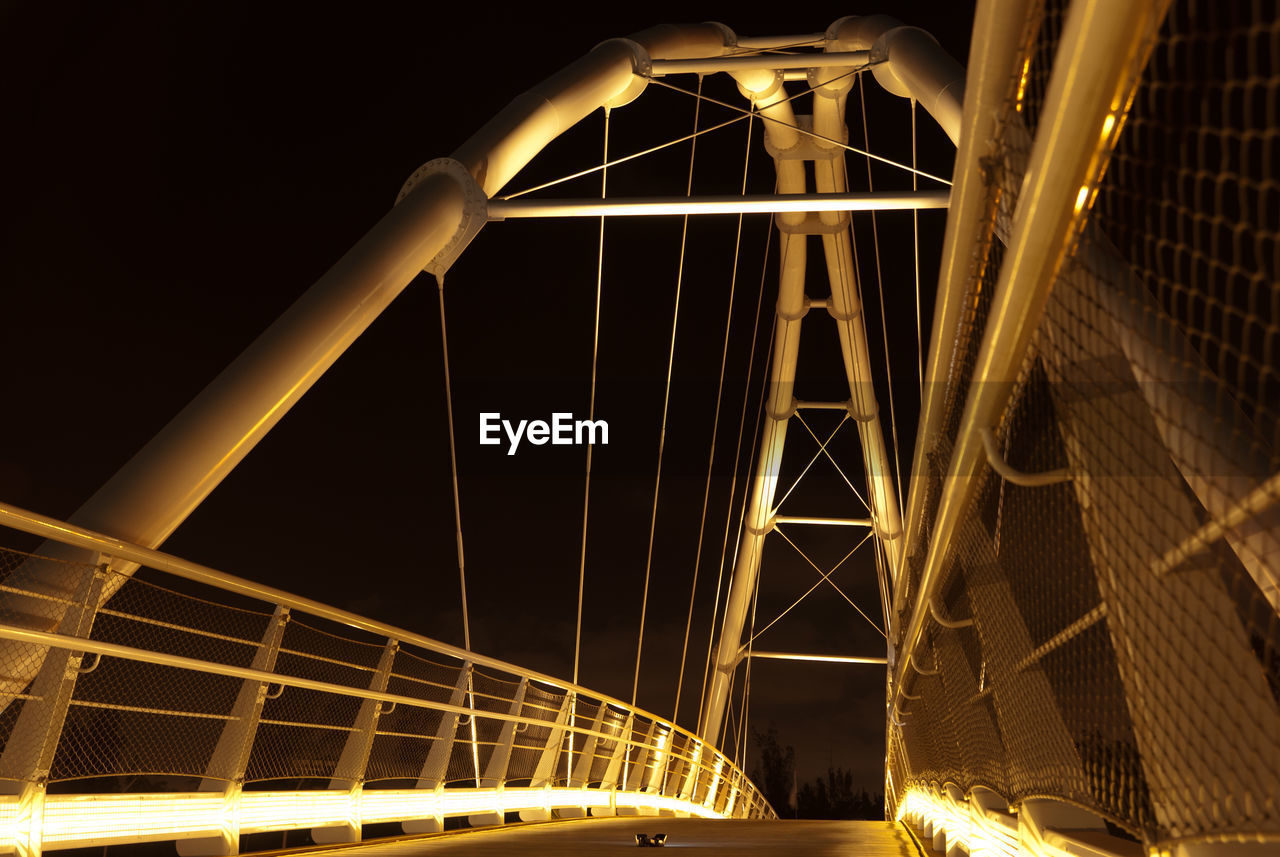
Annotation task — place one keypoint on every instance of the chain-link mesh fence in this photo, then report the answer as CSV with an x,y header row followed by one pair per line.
x,y
185,688
1124,649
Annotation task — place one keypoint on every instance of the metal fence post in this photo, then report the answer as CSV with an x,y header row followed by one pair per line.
x,y
544,773
495,770
349,773
28,755
613,769
581,772
436,766
226,768
635,775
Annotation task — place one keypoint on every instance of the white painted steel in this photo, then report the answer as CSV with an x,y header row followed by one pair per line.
x,y
711,65
211,822
997,34
829,659
748,204
818,521
1094,69
71,534
936,80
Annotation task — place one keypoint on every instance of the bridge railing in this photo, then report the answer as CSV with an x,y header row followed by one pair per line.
x,y
178,702
1089,636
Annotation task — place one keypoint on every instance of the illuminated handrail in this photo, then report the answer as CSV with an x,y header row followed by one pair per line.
x,y
595,755
67,533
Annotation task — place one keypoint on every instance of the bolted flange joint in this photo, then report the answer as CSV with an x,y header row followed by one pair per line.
x,y
475,209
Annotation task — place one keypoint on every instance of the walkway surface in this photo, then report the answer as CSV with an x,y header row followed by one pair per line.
x,y
616,836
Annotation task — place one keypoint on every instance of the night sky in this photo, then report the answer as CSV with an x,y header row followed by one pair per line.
x,y
178,174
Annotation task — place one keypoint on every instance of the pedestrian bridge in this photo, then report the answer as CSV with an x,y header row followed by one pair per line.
x,y
1079,594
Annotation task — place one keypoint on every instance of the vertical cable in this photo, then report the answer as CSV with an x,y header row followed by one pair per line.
x,y
915,241
586,494
746,683
755,438
453,464
884,323
591,414
666,401
715,431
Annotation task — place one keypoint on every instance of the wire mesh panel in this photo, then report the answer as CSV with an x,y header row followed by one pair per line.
x,y
1123,653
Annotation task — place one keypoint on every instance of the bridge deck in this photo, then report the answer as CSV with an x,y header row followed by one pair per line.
x,y
606,836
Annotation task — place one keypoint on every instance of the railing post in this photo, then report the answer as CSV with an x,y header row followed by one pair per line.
x,y
614,769
28,754
226,767
635,774
582,770
436,766
692,768
544,773
349,773
495,770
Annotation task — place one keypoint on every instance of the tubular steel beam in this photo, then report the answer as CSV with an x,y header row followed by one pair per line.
x,y
711,65
750,204
829,659
1100,55
826,522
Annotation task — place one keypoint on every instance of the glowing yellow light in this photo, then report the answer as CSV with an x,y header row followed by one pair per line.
x,y
1108,124
1081,198
1022,84
74,820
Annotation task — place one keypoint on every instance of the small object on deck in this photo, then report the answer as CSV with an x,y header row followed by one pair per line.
x,y
642,840
659,839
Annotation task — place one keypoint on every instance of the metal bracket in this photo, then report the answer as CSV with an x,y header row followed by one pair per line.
x,y
474,209
807,147
781,416
840,316
1018,477
812,225
915,666
641,69
943,620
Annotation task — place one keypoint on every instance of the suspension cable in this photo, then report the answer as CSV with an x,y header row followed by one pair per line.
x,y
807,132
745,115
827,577
666,401
808,591
839,470
715,430
882,581
739,758
915,243
822,447
591,413
453,465
737,454
884,322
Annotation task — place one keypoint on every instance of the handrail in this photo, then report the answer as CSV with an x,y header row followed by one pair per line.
x,y
1066,159
98,647
67,533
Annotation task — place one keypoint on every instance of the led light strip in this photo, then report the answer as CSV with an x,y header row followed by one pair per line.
x,y
73,821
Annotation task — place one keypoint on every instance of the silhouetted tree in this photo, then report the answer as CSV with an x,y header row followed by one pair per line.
x,y
834,797
776,776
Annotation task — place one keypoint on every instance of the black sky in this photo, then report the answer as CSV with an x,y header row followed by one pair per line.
x,y
177,174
